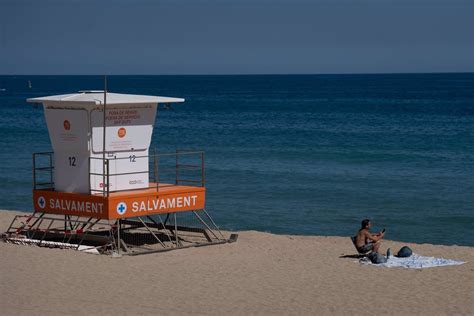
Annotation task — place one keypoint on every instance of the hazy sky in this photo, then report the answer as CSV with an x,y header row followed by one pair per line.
x,y
235,37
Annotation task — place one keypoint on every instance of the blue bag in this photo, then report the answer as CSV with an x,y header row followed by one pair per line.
x,y
376,258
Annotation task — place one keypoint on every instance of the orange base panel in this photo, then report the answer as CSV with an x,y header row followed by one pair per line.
x,y
167,199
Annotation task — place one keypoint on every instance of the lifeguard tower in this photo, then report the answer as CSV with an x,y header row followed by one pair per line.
x,y
102,190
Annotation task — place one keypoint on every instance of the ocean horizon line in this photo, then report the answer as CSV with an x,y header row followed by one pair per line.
x,y
248,74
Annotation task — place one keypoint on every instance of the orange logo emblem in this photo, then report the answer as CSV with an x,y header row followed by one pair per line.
x,y
121,132
67,125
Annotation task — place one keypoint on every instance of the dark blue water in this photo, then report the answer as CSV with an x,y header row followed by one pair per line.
x,y
294,154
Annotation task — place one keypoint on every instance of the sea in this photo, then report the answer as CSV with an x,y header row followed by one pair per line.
x,y
293,154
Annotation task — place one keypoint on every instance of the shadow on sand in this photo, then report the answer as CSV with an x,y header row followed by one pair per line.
x,y
358,256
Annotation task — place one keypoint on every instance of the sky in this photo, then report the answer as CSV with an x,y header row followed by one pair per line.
x,y
236,37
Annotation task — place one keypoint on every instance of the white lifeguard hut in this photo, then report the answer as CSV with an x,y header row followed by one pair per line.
x,y
77,132
101,187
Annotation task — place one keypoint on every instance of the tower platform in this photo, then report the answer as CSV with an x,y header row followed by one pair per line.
x,y
159,198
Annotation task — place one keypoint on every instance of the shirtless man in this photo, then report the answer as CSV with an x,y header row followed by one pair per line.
x,y
365,241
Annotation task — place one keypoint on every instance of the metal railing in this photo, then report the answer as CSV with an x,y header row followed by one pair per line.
x,y
164,170
157,167
43,171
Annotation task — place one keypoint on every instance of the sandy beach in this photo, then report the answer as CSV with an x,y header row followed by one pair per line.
x,y
260,274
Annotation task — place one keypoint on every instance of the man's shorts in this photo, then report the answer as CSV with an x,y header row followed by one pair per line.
x,y
366,248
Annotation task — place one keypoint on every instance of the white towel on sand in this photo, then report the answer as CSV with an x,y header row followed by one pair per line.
x,y
416,261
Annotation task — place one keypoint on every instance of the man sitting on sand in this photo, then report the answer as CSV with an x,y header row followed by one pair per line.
x,y
366,241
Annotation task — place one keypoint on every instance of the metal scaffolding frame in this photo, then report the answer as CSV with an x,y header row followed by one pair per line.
x,y
131,236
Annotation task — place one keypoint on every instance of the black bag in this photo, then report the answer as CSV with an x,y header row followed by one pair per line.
x,y
404,252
